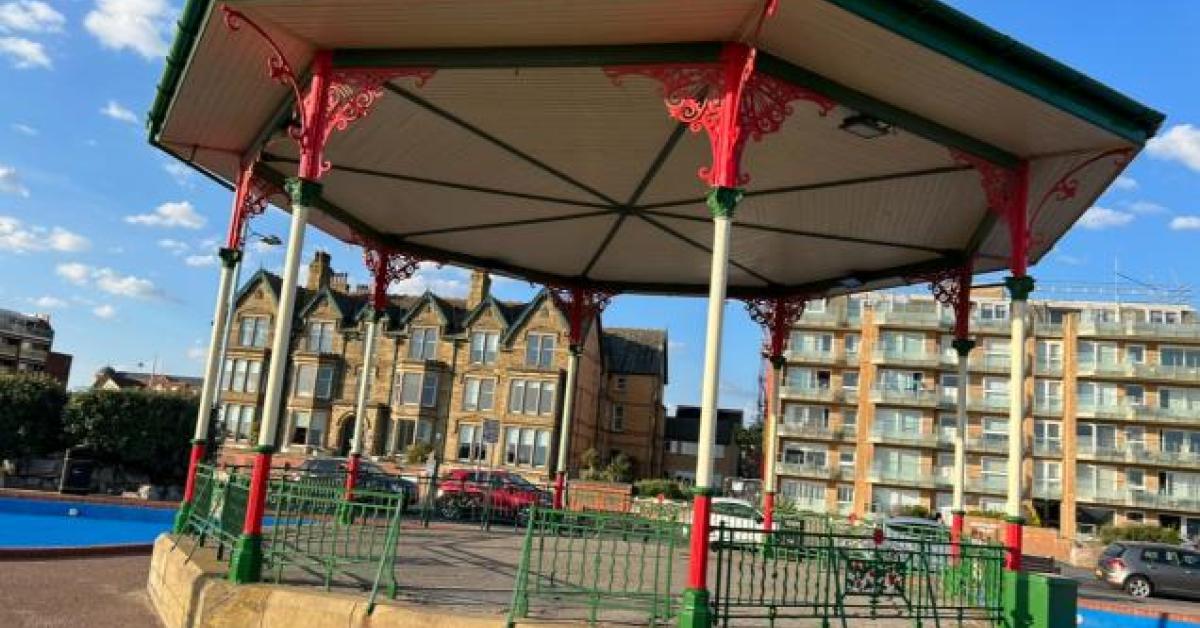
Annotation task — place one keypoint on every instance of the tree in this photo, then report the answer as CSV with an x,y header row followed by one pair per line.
x,y
749,441
143,431
31,407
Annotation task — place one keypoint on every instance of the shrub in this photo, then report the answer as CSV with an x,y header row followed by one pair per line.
x,y
915,510
30,414
417,453
669,489
986,514
1139,532
619,469
139,430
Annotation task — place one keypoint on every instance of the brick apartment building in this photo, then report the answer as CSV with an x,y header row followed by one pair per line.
x,y
25,346
1112,426
443,366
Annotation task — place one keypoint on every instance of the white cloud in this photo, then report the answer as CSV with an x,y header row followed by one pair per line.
x,y
116,111
1180,143
31,16
198,261
48,302
107,312
108,280
1069,260
173,214
25,54
139,25
10,182
196,352
452,282
181,173
1145,207
16,237
1185,223
24,129
1125,182
1102,218
174,246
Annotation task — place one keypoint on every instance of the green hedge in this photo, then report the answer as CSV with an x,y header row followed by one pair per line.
x,y
30,414
139,430
653,488
1139,532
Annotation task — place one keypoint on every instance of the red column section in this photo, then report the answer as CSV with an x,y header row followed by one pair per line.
x,y
1012,541
189,488
257,501
769,511
560,488
352,475
956,531
698,561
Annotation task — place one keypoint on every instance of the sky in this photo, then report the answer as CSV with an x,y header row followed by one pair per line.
x,y
116,241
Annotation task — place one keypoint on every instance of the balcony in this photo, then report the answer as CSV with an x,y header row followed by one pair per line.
x,y
1052,406
894,396
992,445
991,403
1165,415
822,319
915,479
806,470
895,318
1177,331
994,485
1047,490
1047,367
1142,499
905,358
1165,372
1047,447
813,356
807,429
1186,459
1105,369
1092,409
992,362
1046,328
991,326
900,437
1104,328
1107,454
809,393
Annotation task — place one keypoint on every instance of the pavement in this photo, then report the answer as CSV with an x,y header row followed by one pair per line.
x,y
105,592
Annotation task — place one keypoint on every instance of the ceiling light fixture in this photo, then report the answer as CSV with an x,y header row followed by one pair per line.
x,y
865,126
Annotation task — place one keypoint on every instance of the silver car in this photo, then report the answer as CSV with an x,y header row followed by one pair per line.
x,y
1144,569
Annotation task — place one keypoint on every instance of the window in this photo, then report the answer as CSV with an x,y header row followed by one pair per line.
x,y
483,347
905,343
1179,399
1047,393
944,465
993,311
994,471
1049,354
478,393
845,495
811,416
1096,437
897,463
306,380
804,455
539,350
805,495
1136,517
523,446
1135,395
531,397
1135,479
239,375
324,384
1135,354
1096,394
846,460
850,380
1135,438
618,418
308,428
227,375
621,383
238,421
995,390
541,448
418,388
816,306
422,343
849,419
807,378
807,342
320,337
949,386
471,447
995,430
852,343
253,332
901,380
1047,434
1047,473
1176,356
893,421
947,427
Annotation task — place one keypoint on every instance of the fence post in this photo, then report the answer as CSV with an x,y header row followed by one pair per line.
x,y
520,605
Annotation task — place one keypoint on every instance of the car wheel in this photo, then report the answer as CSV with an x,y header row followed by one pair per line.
x,y
1138,586
450,509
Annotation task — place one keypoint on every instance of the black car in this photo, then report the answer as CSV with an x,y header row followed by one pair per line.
x,y
371,477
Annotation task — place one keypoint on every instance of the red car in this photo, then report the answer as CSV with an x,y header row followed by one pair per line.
x,y
464,494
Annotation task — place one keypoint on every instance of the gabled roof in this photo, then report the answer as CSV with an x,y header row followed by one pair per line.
x,y
346,305
135,379
635,351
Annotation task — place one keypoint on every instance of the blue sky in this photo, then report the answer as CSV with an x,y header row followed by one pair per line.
x,y
115,241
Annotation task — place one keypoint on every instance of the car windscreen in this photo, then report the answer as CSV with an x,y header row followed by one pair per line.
x,y
1114,550
520,482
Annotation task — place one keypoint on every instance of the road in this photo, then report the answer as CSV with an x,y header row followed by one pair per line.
x,y
1091,588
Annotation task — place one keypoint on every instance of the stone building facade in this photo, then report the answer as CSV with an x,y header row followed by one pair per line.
x,y
443,367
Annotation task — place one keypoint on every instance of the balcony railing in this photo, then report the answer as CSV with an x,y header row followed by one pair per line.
x,y
808,470
1047,447
988,403
908,319
1048,405
905,397
1145,499
1167,415
807,429
993,445
1111,454
1101,410
1162,371
1047,367
1047,490
991,362
1105,369
905,358
1176,331
813,355
809,393
1190,459
989,484
1103,328
991,325
921,479
903,437
822,319
1046,328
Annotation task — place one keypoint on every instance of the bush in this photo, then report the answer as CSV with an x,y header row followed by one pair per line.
x,y
669,489
31,407
986,514
1139,532
417,453
619,469
144,431
915,510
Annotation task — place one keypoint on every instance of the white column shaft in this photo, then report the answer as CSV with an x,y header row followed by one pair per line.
x,y
564,436
1016,408
364,386
960,436
281,341
212,364
712,352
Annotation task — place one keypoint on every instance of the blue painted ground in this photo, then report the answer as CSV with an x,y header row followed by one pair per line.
x,y
30,523
1092,618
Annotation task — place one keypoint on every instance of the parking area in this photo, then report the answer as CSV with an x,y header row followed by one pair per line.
x,y
1091,588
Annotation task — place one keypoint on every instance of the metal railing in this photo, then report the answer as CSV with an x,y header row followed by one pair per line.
x,y
901,396
809,393
848,578
907,358
599,564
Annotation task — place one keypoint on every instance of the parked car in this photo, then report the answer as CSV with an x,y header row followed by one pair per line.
x,y
917,538
1144,569
464,494
740,515
371,477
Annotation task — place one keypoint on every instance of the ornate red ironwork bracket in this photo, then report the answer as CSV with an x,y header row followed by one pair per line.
x,y
335,97
1067,186
1007,194
387,266
776,316
952,287
580,305
727,100
251,198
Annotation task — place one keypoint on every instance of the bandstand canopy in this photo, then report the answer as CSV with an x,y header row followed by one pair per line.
x,y
537,149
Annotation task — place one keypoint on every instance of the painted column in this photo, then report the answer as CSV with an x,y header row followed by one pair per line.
x,y
246,564
360,404
1019,289
564,437
962,346
212,377
771,446
695,610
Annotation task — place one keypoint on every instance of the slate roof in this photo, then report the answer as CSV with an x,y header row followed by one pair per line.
x,y
635,351
134,379
685,424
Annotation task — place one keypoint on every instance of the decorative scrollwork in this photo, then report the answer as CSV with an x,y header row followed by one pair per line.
x,y
695,95
387,266
951,287
277,64
580,305
1067,186
999,183
776,316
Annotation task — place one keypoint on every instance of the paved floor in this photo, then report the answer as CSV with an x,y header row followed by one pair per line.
x,y
105,592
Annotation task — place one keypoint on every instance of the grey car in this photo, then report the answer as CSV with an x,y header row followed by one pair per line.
x,y
1144,569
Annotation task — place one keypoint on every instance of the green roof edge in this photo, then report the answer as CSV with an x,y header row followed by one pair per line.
x,y
972,43
187,30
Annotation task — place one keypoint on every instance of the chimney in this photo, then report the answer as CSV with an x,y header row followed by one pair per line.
x,y
481,285
339,282
319,271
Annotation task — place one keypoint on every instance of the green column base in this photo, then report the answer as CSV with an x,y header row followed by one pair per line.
x,y
694,611
181,518
246,564
1038,601
1014,598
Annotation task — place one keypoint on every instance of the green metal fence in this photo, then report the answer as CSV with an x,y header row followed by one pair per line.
x,y
770,578
607,566
219,508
